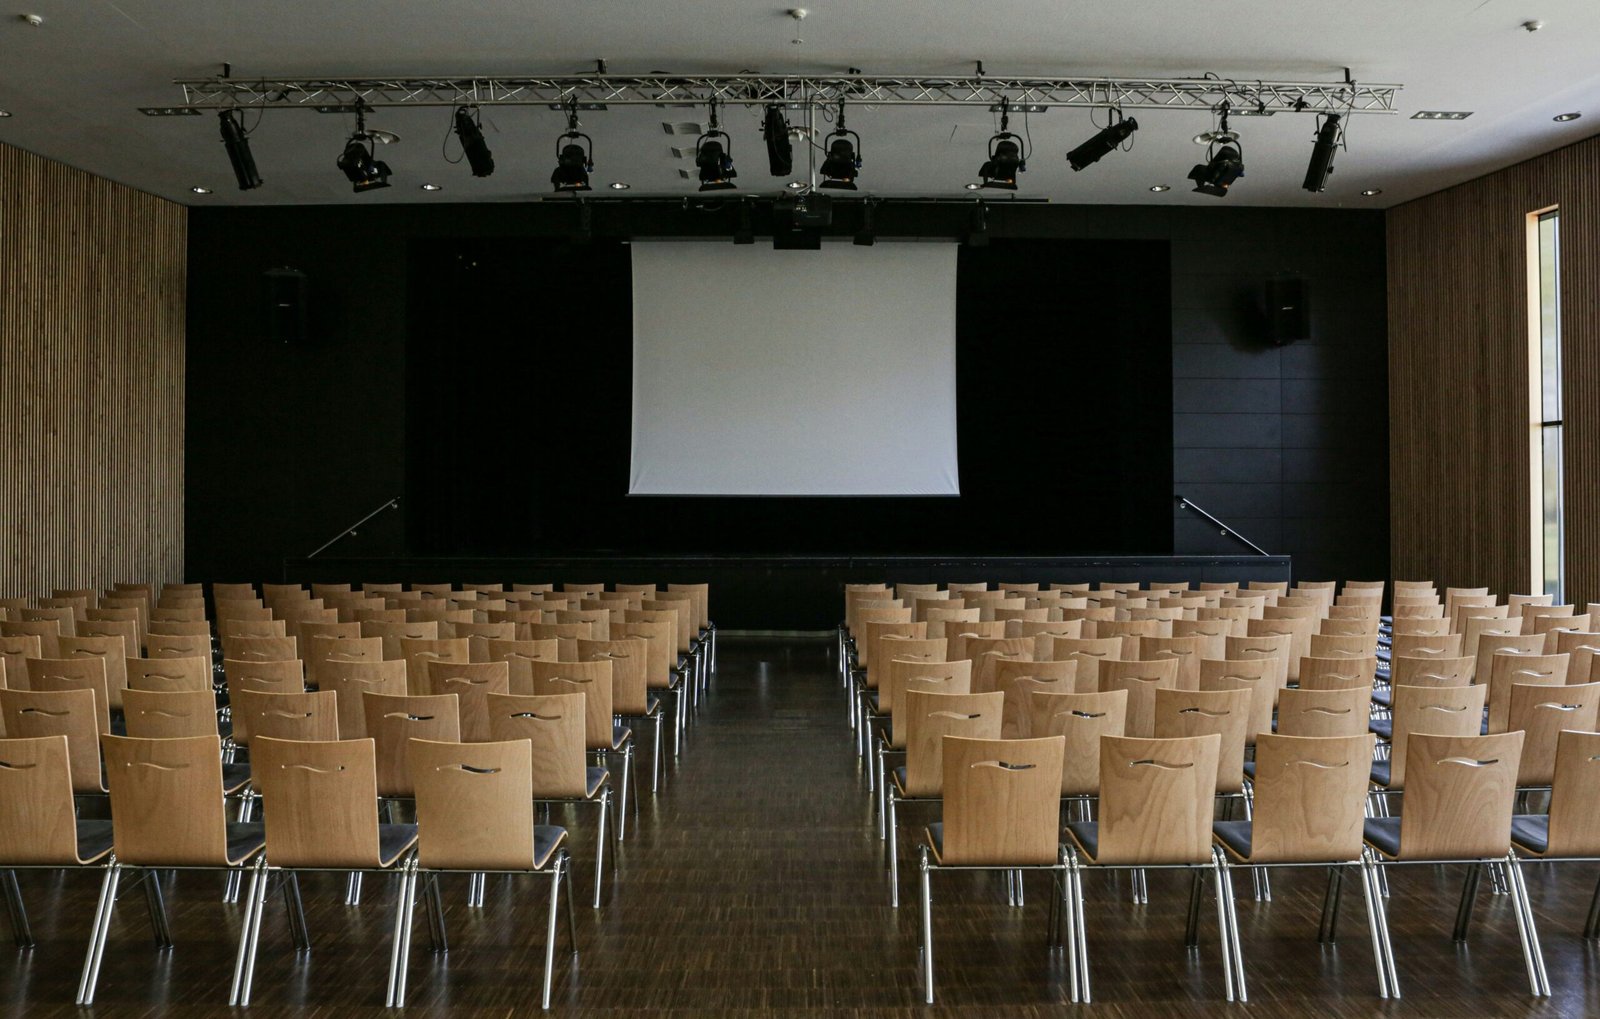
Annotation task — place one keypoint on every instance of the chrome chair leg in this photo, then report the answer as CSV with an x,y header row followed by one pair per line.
x,y
600,845
1081,935
1532,953
400,952
252,931
1382,910
894,856
1368,893
1231,936
97,938
244,958
927,926
550,928
352,889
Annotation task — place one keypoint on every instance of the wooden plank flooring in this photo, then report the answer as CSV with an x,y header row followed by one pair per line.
x,y
753,886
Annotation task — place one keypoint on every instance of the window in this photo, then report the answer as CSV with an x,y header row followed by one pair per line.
x,y
1544,341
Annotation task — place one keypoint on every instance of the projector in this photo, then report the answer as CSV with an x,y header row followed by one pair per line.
x,y
807,209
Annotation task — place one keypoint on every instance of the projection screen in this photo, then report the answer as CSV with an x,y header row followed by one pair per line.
x,y
793,373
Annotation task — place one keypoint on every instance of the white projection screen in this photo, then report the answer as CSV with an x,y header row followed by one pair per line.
x,y
794,373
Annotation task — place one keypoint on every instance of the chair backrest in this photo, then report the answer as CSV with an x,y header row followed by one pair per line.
x,y
905,652
1459,791
1309,798
517,654
174,714
1213,634
1156,799
1262,695
702,601
322,650
1425,645
1574,821
1543,713
474,804
392,721
472,682
554,724
1087,652
15,652
1322,714
166,801
45,631
305,715
1297,630
630,665
1184,713
1443,711
168,674
1018,680
1508,669
113,651
1141,680
73,674
1325,645
30,714
593,680
658,634
870,645
1491,644
1001,801
599,621
260,677
37,819
1082,718
1408,671
350,681
985,652
929,718
929,677
260,649
393,633
1250,647
1334,673
1187,650
415,652
65,617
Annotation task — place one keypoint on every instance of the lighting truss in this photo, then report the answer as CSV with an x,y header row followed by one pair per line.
x,y
330,95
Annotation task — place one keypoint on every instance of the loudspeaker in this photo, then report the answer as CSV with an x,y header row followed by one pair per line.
x,y
287,293
1288,309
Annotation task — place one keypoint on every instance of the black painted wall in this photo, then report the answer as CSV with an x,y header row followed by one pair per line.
x,y
287,445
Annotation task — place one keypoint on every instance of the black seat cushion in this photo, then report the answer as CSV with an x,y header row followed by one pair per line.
x,y
1531,832
1235,835
393,840
245,840
235,776
595,778
936,838
1380,772
619,736
1384,727
1383,697
546,837
900,780
1087,835
1384,834
1250,770
94,840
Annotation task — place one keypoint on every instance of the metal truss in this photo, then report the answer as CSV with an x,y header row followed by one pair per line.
x,y
600,90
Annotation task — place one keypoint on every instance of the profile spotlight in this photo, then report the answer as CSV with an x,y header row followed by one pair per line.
x,y
1223,165
1327,140
1006,158
471,136
574,162
843,164
780,152
1093,150
714,157
237,143
361,168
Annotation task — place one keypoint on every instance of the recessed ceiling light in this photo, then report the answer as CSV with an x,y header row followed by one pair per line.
x,y
197,189
1158,188
433,187
1369,192
1562,118
1441,115
795,185
973,187
619,185
5,113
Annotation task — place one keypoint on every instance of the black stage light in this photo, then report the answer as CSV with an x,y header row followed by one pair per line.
x,y
361,168
1322,154
237,143
574,162
1006,158
780,152
472,143
843,165
1215,176
1102,143
714,157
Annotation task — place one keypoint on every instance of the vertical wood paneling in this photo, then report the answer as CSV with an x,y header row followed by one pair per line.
x,y
1458,375
92,278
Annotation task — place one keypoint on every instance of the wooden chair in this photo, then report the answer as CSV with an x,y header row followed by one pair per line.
x,y
1508,669
1424,645
1087,652
168,674
351,681
392,633
260,649
985,652
1187,650
393,721
517,654
1180,714
112,650
929,718
323,650
1252,647
1320,714
1155,811
307,716
166,814
414,651
1333,673
1141,680
1298,632
1081,719
72,714
470,681
1308,813
1000,811
1459,794
46,632
260,677
1570,832
554,725
65,617
475,815
1544,714
632,704
38,822
1259,676
1445,711
1019,680
1490,644
14,653
47,674
602,736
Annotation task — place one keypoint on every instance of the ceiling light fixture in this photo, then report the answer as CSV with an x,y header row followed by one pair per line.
x,y
1006,157
1105,141
574,162
1369,192
618,185
236,140
780,151
843,165
5,113
1322,150
972,187
713,154
1158,188
470,132
795,185
360,167
1224,164
197,189
1562,118
433,187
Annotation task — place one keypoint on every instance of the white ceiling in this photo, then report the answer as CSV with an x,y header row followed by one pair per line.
x,y
73,86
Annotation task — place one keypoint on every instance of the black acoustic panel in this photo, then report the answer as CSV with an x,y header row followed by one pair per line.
x,y
1230,500
1223,361
1218,465
1227,396
1232,431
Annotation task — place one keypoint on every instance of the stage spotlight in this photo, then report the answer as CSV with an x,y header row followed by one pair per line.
x,y
1327,140
1224,164
840,169
574,162
714,157
471,135
1006,158
237,143
780,151
362,169
1102,143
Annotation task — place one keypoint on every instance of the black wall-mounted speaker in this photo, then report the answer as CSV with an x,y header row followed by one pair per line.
x,y
288,293
1288,309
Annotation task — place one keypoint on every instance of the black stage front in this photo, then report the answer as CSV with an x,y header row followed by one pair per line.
x,y
785,592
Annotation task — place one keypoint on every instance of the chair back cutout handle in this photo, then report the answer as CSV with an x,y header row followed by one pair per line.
x,y
1150,762
1075,713
1204,712
1003,765
953,714
16,767
312,768
46,713
1553,706
1318,764
1469,762
1327,711
535,716
469,769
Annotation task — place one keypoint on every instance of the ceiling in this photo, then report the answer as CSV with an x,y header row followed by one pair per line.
x,y
73,85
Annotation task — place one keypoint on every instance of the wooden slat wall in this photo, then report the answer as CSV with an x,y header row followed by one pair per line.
x,y
92,278
1458,375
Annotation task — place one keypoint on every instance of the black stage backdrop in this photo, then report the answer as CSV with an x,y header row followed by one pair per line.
x,y
519,381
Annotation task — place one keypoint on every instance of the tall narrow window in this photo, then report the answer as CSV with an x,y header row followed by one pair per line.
x,y
1545,394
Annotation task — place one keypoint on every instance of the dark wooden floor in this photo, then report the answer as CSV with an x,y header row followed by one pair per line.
x,y
754,887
